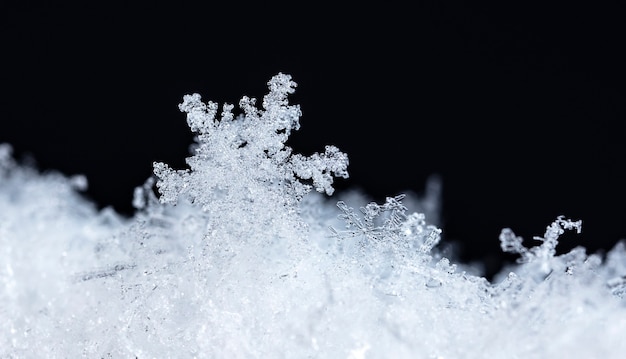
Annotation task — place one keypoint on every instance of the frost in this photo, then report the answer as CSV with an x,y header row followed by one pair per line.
x,y
237,257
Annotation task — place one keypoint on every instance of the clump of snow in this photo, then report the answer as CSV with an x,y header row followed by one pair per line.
x,y
237,257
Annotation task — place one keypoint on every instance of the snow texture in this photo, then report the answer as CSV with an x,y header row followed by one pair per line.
x,y
236,257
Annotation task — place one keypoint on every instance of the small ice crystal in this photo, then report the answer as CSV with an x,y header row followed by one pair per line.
x,y
543,253
388,225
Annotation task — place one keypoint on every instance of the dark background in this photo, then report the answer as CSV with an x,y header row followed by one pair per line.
x,y
519,108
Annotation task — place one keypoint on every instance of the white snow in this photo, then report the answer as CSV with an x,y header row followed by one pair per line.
x,y
237,257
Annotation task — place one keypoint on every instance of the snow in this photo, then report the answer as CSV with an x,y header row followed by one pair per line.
x,y
237,257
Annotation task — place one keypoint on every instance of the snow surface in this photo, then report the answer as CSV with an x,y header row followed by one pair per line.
x,y
237,257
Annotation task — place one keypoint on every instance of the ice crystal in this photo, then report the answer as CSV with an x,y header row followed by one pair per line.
x,y
241,173
236,160
388,224
544,253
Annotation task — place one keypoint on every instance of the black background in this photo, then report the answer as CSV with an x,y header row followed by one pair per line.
x,y
519,108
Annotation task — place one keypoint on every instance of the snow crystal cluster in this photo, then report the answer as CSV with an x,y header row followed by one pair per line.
x,y
237,257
